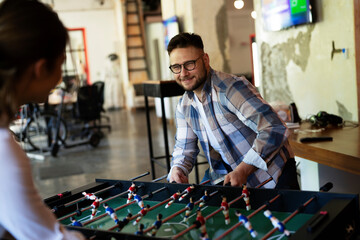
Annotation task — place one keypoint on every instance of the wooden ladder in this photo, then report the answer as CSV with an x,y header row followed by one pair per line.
x,y
136,48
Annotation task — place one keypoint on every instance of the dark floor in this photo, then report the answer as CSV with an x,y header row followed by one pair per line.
x,y
122,154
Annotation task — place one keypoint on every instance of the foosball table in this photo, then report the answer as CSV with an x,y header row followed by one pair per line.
x,y
256,214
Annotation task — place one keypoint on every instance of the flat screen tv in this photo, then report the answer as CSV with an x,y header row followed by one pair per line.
x,y
282,14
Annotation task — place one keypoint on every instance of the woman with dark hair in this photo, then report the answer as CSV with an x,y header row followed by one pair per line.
x,y
32,47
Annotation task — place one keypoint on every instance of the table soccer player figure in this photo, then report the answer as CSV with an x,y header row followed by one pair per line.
x,y
189,207
246,194
124,222
75,222
173,198
140,231
139,200
200,222
157,224
245,221
204,199
89,196
242,136
111,212
142,213
95,205
225,207
131,192
187,191
276,223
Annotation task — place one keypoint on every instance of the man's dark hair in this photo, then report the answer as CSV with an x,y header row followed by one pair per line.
x,y
183,40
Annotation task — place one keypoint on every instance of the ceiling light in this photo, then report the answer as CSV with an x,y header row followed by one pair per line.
x,y
239,4
253,14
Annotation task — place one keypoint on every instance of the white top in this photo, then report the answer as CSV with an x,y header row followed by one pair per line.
x,y
22,211
212,139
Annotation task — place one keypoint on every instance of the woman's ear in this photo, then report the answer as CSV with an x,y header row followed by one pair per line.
x,y
40,68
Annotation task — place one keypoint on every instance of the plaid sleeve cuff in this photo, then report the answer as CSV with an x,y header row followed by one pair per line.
x,y
184,169
253,158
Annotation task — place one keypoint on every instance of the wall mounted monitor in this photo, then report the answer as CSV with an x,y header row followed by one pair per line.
x,y
282,14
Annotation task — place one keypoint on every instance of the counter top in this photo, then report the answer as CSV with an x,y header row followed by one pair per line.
x,y
343,152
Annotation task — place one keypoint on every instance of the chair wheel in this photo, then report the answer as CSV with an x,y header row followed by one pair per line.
x,y
94,139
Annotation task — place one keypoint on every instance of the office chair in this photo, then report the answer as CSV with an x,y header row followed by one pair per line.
x,y
100,88
89,107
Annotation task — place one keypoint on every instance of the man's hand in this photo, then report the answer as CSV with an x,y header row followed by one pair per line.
x,y
239,175
178,175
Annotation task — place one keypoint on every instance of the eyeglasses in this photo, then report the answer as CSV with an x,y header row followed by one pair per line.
x,y
189,66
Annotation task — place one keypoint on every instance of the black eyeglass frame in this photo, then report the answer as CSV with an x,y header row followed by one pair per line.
x,y
184,65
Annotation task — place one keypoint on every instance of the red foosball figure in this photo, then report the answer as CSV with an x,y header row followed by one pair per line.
x,y
225,207
246,195
95,205
201,222
142,213
131,191
89,196
173,198
187,191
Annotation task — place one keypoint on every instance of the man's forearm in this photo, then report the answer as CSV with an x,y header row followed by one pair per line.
x,y
245,169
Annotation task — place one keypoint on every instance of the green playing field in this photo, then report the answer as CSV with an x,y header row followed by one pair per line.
x,y
215,226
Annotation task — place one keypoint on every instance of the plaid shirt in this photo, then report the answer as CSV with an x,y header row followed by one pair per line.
x,y
245,126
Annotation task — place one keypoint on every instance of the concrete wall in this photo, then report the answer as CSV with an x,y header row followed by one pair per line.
x,y
104,33
213,30
296,64
240,26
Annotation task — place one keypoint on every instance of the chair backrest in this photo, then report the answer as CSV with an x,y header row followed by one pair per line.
x,y
100,88
88,103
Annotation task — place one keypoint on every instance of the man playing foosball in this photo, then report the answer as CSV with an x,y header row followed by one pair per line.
x,y
243,138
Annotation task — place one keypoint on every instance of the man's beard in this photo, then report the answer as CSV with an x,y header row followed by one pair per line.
x,y
198,82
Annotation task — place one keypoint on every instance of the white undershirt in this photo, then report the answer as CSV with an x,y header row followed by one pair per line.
x,y
22,211
213,142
